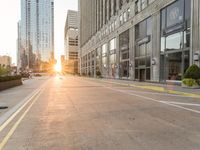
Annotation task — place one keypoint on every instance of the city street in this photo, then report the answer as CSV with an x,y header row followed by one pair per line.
x,y
75,113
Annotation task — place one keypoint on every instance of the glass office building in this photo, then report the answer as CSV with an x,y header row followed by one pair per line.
x,y
36,33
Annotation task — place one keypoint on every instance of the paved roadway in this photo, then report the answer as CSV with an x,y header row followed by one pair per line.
x,y
73,113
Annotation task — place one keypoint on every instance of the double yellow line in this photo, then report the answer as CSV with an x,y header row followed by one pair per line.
x,y
33,98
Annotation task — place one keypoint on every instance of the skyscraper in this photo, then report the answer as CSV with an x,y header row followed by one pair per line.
x,y
71,35
71,41
36,46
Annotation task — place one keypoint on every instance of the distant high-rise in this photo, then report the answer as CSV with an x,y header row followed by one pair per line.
x,y
36,33
71,35
71,41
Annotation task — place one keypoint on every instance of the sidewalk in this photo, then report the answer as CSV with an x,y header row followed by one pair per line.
x,y
167,88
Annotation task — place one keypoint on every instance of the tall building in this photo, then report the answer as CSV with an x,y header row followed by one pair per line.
x,y
71,35
5,61
144,40
71,40
36,33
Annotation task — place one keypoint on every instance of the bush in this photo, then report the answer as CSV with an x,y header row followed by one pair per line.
x,y
190,82
193,72
3,71
9,78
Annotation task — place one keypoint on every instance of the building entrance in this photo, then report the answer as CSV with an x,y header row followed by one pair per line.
x,y
125,69
142,75
174,66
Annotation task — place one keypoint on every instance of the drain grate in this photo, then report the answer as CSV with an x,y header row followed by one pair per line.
x,y
3,107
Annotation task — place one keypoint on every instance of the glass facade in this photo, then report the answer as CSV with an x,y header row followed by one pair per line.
x,y
112,59
98,62
175,40
104,59
124,54
37,32
143,32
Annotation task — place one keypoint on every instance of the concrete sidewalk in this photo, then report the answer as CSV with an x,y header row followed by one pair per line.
x,y
167,88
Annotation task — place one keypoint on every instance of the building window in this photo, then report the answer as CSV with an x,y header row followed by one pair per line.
x,y
112,59
175,13
125,16
143,29
140,5
128,13
121,19
143,32
175,40
104,59
124,54
143,4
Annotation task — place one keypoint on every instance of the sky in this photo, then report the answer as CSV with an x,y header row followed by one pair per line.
x,y
10,15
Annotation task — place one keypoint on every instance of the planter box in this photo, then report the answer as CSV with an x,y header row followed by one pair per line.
x,y
9,84
190,87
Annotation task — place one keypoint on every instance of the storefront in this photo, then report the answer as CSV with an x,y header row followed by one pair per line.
x,y
124,54
143,32
104,60
112,58
98,62
175,40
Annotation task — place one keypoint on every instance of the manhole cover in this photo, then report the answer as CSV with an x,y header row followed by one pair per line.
x,y
3,107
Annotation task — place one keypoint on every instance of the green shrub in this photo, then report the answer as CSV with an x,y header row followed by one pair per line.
x,y
3,71
190,82
193,72
9,78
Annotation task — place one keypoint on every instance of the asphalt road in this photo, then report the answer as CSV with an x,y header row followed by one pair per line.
x,y
73,113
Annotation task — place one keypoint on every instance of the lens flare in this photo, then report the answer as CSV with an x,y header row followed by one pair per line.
x,y
58,68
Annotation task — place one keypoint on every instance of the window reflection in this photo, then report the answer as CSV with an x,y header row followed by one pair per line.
x,y
173,42
162,44
175,13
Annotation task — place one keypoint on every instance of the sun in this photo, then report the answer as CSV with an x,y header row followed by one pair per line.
x,y
58,68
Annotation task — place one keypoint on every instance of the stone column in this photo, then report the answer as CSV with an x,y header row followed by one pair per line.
x,y
155,39
95,62
195,31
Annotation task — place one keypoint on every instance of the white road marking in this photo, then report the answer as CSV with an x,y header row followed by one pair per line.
x,y
179,103
155,100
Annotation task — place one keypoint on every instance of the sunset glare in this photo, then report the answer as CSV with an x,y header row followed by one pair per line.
x,y
58,68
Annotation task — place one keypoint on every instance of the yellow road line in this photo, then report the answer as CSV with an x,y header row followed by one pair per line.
x,y
12,130
17,112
